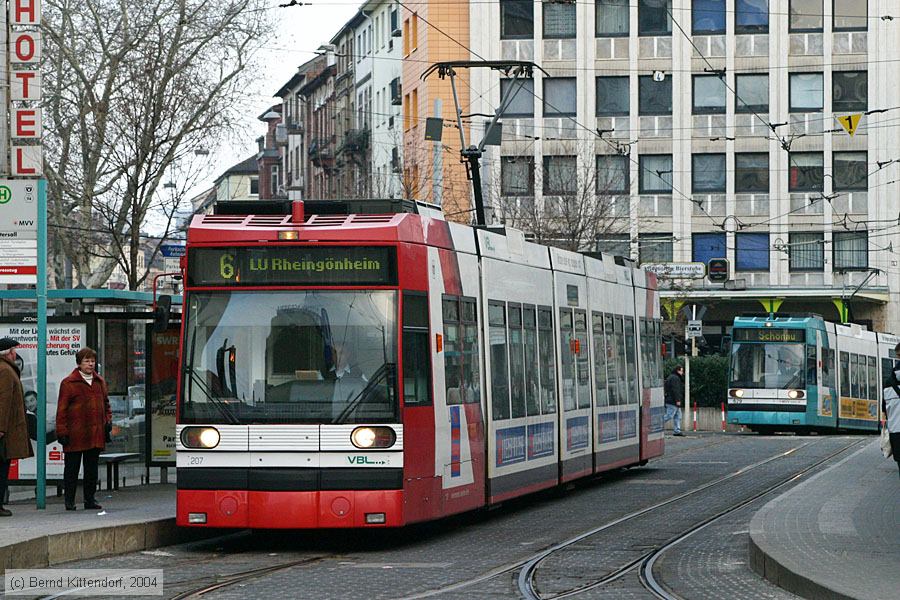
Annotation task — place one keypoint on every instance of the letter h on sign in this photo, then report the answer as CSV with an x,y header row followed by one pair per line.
x,y
25,12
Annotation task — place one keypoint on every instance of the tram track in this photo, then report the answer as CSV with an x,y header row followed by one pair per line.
x,y
242,576
528,566
646,561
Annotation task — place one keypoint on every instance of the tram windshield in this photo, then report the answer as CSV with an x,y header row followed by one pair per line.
x,y
290,357
771,366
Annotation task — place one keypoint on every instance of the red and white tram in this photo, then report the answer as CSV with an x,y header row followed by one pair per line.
x,y
384,369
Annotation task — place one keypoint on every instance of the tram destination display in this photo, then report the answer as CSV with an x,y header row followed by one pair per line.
x,y
769,334
292,265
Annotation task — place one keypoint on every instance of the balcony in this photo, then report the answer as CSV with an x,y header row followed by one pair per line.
x,y
321,153
356,141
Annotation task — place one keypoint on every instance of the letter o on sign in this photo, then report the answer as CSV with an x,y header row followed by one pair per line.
x,y
25,48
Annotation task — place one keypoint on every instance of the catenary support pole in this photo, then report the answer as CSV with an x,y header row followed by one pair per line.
x,y
41,450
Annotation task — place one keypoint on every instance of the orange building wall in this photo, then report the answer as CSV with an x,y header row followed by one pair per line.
x,y
432,46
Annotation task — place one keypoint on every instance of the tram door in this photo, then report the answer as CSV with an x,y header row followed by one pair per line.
x,y
825,403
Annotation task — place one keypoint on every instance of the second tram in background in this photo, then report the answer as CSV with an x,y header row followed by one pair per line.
x,y
805,374
353,370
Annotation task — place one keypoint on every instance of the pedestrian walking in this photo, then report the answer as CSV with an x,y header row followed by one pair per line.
x,y
83,426
14,442
674,396
890,406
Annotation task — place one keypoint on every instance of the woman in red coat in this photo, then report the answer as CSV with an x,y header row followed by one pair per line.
x,y
83,425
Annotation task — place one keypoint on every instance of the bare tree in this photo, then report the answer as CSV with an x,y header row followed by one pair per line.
x,y
133,89
580,200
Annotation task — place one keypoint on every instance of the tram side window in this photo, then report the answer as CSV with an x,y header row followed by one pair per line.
x,y
599,359
583,360
516,360
547,358
828,368
499,364
567,348
812,378
471,358
416,350
645,355
657,353
621,361
461,372
854,375
873,377
631,360
612,371
845,374
532,367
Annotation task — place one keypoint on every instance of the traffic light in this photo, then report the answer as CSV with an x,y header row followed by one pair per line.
x,y
717,270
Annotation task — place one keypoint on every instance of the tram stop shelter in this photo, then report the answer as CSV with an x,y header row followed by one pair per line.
x,y
137,357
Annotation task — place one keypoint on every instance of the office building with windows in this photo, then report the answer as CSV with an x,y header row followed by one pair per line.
x,y
764,132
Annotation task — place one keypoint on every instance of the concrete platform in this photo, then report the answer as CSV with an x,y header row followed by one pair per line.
x,y
132,519
836,535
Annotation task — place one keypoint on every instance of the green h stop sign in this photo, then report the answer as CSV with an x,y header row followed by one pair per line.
x,y
5,194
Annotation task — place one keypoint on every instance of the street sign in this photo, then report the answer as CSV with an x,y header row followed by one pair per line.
x,y
18,231
850,122
171,250
694,329
677,270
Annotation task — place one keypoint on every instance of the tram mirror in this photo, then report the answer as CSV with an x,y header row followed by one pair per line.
x,y
161,313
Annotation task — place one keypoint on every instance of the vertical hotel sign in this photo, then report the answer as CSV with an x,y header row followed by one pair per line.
x,y
23,131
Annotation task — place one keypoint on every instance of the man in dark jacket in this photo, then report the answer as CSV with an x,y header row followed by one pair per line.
x,y
674,393
14,442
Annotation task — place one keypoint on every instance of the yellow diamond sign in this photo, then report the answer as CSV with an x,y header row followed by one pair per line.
x,y
850,122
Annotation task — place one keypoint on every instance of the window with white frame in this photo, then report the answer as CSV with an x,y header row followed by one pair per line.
x,y
522,94
709,95
751,172
517,176
612,18
806,252
612,174
805,15
559,20
850,91
707,17
850,171
612,96
654,247
708,173
751,251
654,17
654,97
751,16
806,171
614,244
655,174
516,19
751,93
850,250
807,92
560,175
560,99
851,15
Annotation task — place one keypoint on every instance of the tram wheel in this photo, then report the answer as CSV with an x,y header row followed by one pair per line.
x,y
762,430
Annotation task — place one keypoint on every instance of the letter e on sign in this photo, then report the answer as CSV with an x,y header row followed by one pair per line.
x,y
25,12
26,123
25,47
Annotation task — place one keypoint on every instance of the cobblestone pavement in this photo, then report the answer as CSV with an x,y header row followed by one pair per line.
x,y
421,561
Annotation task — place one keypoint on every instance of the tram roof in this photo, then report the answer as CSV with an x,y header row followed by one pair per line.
x,y
787,321
324,221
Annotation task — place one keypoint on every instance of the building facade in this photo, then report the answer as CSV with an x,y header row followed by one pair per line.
x,y
385,124
709,129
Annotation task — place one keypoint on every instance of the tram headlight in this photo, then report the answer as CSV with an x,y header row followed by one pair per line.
x,y
373,437
200,437
794,394
737,393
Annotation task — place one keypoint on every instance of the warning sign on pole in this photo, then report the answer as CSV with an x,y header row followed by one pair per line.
x,y
850,122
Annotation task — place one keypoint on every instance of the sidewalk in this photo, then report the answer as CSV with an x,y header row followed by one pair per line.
x,y
134,518
836,535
